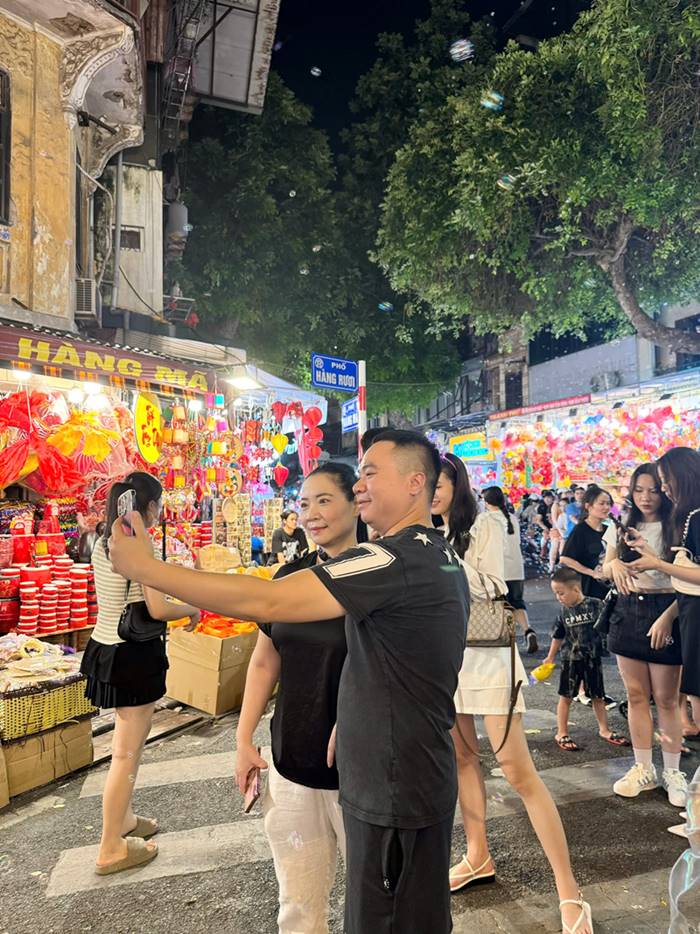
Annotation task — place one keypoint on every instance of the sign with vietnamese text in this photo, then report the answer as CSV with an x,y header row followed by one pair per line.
x,y
471,447
148,426
350,415
334,373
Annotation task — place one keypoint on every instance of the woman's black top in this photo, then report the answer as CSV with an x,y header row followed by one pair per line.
x,y
585,545
312,657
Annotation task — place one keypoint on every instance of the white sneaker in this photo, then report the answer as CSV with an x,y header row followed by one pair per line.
x,y
638,779
676,786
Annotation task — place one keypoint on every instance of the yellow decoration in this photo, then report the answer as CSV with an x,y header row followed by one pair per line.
x,y
148,426
279,443
84,428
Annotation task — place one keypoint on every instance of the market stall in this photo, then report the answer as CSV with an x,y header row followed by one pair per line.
x,y
590,441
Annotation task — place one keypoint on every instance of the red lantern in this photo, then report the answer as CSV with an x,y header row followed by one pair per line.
x,y
312,416
315,435
279,410
314,452
280,473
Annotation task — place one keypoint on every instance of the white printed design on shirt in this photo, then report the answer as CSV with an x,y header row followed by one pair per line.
x,y
376,558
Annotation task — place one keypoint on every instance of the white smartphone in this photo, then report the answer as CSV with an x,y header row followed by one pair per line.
x,y
126,504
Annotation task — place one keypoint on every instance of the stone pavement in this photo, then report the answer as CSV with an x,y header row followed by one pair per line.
x,y
214,874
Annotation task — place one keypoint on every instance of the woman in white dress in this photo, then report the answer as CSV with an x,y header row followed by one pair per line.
x,y
485,689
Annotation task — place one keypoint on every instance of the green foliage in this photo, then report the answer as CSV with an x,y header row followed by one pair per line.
x,y
601,133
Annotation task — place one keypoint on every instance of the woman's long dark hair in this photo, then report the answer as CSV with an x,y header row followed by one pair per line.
x,y
494,496
681,470
589,497
345,478
464,510
635,515
148,490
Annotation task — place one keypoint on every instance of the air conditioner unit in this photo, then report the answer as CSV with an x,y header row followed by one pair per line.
x,y
87,300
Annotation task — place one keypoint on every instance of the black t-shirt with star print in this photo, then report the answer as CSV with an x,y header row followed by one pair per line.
x,y
407,606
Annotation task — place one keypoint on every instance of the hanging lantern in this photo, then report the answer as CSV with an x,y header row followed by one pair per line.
x,y
167,436
179,414
218,447
179,482
210,425
179,436
211,473
219,401
221,425
177,462
210,400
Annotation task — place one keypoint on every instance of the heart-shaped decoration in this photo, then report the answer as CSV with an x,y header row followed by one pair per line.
x,y
314,452
279,410
280,473
312,416
279,443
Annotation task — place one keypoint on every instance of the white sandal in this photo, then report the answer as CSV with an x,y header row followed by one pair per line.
x,y
472,876
584,917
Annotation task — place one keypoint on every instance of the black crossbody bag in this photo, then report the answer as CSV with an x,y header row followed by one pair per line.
x,y
136,624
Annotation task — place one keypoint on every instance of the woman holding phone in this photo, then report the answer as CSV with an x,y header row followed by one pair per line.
x,y
129,677
648,654
303,819
679,473
584,548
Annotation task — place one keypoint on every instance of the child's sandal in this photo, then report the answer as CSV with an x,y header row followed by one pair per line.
x,y
566,743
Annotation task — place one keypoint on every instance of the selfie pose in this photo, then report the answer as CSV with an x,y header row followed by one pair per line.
x,y
127,675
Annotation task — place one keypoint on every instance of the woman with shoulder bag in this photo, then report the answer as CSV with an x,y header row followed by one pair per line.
x,y
128,675
648,654
679,473
486,687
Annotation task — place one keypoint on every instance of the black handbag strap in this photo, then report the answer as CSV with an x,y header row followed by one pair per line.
x,y
514,692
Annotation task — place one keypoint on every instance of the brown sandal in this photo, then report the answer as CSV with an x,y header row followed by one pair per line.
x,y
137,854
616,739
145,827
566,743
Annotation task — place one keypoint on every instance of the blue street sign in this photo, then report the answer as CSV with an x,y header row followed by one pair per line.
x,y
333,373
350,415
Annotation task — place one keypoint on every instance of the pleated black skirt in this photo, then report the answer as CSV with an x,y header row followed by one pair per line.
x,y
128,674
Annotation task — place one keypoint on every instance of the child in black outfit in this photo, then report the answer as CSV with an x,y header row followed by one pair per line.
x,y
581,653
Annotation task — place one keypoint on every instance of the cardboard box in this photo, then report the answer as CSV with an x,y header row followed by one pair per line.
x,y
4,783
40,759
207,672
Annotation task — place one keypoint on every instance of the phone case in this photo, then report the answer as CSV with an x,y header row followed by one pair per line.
x,y
252,792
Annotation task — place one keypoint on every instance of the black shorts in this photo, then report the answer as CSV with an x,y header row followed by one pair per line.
x,y
397,881
632,619
128,674
515,594
689,619
587,672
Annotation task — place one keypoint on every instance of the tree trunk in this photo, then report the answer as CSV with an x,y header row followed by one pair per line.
x,y
673,338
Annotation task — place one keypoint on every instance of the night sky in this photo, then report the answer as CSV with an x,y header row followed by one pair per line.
x,y
339,38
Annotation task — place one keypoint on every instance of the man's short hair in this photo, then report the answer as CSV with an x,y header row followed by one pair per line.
x,y
568,576
370,436
414,442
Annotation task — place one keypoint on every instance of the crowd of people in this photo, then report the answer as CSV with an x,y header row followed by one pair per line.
x,y
373,733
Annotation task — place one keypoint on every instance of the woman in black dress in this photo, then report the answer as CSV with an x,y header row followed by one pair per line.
x,y
648,652
584,548
679,472
130,677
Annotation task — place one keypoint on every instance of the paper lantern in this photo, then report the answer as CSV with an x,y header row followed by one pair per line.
x,y
315,452
177,462
221,474
179,481
279,410
219,401
211,473
279,443
218,447
210,400
179,413
280,473
315,435
221,425
167,436
179,436
210,424
312,416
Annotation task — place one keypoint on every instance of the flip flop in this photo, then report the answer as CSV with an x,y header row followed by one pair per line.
x,y
567,744
145,827
137,854
615,739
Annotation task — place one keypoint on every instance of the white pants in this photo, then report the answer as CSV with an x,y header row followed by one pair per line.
x,y
305,830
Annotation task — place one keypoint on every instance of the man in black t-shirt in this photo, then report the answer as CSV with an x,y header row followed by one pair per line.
x,y
289,541
406,603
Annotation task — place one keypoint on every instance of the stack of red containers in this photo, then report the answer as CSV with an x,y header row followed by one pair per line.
x,y
9,599
48,609
79,578
63,589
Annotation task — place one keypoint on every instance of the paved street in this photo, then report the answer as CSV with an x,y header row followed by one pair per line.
x,y
214,871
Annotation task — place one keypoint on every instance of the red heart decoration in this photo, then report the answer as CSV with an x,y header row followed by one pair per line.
x,y
315,435
314,452
280,473
295,409
312,416
279,410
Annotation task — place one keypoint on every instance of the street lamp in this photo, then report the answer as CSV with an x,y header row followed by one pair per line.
x,y
241,379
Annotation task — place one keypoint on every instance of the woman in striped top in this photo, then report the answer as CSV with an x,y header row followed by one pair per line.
x,y
130,677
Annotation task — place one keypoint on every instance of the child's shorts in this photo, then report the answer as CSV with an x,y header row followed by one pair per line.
x,y
588,672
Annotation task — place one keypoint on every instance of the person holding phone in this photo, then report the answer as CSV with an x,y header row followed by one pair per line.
x,y
679,473
648,655
129,677
303,819
584,548
405,627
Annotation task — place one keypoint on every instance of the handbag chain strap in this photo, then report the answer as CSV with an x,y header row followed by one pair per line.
x,y
686,528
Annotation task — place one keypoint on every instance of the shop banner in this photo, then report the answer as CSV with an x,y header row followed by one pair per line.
x,y
148,426
75,359
542,407
471,447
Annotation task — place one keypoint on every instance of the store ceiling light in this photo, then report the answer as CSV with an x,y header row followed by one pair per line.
x,y
195,405
22,376
76,395
92,389
244,382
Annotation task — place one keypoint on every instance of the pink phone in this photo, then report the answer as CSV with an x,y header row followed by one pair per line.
x,y
126,504
253,789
